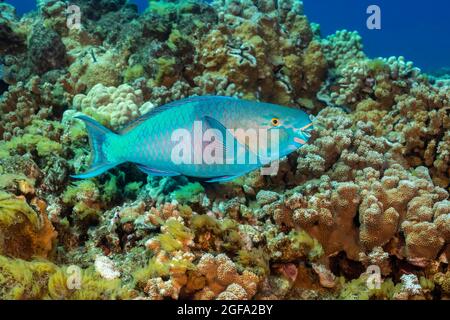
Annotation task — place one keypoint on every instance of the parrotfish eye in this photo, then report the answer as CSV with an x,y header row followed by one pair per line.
x,y
275,122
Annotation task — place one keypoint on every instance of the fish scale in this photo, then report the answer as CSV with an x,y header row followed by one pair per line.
x,y
148,142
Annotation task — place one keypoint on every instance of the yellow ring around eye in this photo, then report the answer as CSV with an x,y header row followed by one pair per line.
x,y
275,122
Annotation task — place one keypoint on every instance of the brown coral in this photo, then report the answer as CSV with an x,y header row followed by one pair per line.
x,y
24,232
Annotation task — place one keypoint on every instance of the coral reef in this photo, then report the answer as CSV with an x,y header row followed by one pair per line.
x,y
24,232
112,106
370,190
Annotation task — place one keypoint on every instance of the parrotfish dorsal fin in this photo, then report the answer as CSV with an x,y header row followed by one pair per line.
x,y
157,110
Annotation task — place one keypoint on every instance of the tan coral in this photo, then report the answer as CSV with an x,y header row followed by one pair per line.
x,y
442,218
24,232
94,66
423,240
113,106
378,225
249,54
223,280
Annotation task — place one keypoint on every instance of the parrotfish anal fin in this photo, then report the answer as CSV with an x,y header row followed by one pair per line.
x,y
222,179
156,172
157,110
94,171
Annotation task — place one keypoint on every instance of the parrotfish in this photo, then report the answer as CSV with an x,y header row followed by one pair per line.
x,y
212,138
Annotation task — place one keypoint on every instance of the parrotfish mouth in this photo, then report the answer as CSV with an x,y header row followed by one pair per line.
x,y
304,134
299,140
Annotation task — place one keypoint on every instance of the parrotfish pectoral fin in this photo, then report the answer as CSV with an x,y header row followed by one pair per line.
x,y
225,134
97,137
228,137
222,179
156,172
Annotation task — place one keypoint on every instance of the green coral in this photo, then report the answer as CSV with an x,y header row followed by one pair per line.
x,y
175,38
133,72
92,286
155,269
443,281
77,131
15,210
377,66
179,42
188,193
166,74
88,198
110,189
301,240
164,7
131,189
426,284
47,147
84,197
21,279
174,235
39,137
358,289
257,259
10,180
226,230
185,211
41,279
177,230
30,142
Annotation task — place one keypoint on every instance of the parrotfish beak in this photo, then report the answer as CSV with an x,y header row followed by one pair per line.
x,y
303,134
299,140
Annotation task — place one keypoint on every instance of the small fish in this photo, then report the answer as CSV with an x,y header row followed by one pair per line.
x,y
213,138
93,55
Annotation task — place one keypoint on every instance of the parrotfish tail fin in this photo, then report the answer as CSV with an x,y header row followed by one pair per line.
x,y
98,134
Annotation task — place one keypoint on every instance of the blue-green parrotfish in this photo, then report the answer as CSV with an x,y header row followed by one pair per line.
x,y
212,138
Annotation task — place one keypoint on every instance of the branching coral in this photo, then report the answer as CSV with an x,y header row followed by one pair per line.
x,y
32,100
223,281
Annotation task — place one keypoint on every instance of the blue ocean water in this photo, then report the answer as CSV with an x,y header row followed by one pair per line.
x,y
415,29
